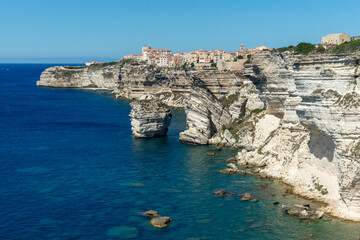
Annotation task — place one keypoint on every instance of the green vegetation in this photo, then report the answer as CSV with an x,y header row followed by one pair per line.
x,y
124,61
76,67
347,47
213,65
283,49
320,49
305,48
192,65
184,65
258,110
240,121
228,100
240,57
319,186
248,58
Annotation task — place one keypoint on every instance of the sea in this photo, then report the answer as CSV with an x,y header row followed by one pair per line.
x,y
70,169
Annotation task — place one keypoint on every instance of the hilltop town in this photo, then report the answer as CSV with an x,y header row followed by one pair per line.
x,y
165,58
220,58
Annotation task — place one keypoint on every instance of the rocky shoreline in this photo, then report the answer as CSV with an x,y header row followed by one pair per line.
x,y
295,117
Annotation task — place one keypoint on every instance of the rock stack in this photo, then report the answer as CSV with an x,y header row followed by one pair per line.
x,y
149,119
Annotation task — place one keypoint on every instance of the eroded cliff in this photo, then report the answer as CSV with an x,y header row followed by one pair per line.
x,y
314,148
295,116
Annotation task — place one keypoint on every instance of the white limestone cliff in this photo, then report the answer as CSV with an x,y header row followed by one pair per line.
x,y
149,119
316,145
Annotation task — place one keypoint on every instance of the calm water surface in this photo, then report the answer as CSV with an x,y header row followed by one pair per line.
x,y
71,170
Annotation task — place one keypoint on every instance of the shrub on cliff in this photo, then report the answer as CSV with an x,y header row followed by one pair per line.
x,y
320,49
284,49
213,65
305,48
347,47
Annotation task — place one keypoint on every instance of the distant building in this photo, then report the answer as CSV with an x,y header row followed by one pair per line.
x,y
355,38
261,48
335,38
204,56
134,56
91,63
164,61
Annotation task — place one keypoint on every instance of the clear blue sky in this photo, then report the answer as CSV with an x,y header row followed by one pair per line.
x,y
83,30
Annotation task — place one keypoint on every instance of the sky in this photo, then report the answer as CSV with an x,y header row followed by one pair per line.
x,y
105,30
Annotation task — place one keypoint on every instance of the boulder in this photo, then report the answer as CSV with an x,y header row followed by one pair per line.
x,y
160,222
318,214
232,167
304,214
246,197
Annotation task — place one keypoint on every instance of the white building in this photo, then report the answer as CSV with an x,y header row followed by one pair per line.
x,y
164,61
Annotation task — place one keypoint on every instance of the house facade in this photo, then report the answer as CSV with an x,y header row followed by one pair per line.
x,y
335,38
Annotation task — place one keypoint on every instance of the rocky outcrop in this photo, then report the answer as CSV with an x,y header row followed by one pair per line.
x,y
149,119
314,147
100,76
132,79
205,116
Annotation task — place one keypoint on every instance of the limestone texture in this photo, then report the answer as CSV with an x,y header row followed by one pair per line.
x,y
149,119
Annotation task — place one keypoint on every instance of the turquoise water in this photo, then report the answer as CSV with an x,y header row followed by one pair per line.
x,y
71,170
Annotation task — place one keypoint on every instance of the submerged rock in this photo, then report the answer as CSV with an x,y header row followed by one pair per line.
x,y
149,119
232,159
221,193
160,222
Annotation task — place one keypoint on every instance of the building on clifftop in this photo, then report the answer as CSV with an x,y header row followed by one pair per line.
x,y
335,38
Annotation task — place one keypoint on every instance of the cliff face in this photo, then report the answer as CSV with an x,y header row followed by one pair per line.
x,y
106,77
205,116
132,80
315,147
296,116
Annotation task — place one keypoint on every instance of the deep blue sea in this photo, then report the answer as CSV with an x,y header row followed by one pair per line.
x,y
70,169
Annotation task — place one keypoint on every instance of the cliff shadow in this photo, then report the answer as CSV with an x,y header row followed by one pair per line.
x,y
321,144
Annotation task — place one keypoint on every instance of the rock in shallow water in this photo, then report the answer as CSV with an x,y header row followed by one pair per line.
x,y
151,213
160,222
246,197
221,193
149,119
